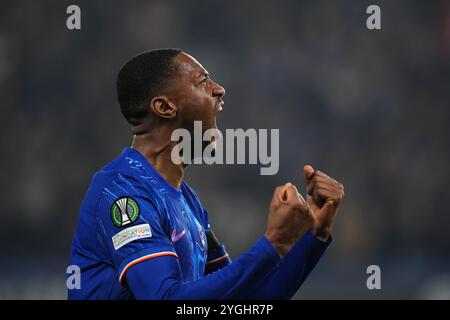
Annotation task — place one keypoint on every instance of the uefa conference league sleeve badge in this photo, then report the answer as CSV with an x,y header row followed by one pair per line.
x,y
124,211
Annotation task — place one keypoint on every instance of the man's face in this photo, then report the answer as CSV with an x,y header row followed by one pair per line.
x,y
197,97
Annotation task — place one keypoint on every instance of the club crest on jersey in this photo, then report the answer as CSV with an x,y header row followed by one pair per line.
x,y
124,211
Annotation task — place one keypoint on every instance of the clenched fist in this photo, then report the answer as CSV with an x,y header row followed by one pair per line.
x,y
324,196
289,218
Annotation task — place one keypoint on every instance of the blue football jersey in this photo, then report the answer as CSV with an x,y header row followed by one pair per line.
x,y
130,214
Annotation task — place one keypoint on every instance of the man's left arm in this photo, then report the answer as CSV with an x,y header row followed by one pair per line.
x,y
324,196
284,280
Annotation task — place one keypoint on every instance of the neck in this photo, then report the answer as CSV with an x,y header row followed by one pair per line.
x,y
156,147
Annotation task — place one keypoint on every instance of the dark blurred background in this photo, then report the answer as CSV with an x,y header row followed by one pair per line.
x,y
371,108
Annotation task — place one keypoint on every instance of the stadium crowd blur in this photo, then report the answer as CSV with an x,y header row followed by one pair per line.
x,y
371,108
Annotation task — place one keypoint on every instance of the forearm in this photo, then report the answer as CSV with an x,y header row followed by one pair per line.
x,y
231,282
284,280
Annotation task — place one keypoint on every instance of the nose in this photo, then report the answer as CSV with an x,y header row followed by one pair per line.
x,y
218,91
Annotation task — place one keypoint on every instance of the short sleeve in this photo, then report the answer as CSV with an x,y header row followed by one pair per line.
x,y
131,229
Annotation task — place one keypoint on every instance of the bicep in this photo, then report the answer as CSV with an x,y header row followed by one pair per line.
x,y
154,279
161,278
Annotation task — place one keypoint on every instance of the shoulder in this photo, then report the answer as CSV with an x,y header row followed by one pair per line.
x,y
124,176
121,184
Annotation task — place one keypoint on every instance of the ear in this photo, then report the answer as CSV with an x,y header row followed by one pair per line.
x,y
163,107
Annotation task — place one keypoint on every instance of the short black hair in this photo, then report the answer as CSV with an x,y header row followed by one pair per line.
x,y
143,78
